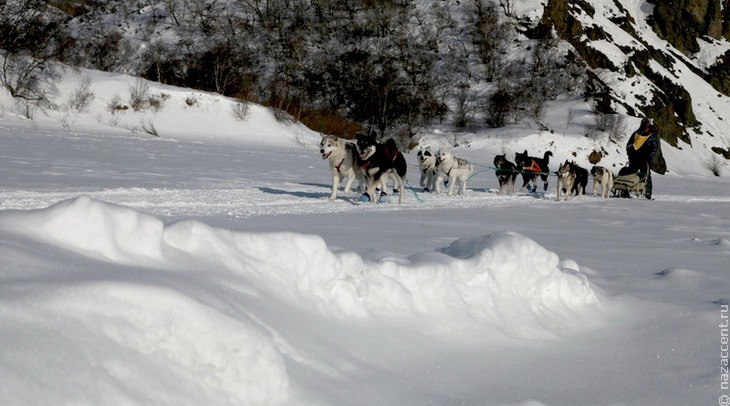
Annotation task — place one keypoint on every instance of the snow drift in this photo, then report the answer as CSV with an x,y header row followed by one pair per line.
x,y
156,311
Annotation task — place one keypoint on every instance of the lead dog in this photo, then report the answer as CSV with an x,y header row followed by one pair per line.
x,y
453,170
506,174
602,181
377,161
343,160
531,167
427,166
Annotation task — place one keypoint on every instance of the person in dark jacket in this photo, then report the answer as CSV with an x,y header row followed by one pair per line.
x,y
641,149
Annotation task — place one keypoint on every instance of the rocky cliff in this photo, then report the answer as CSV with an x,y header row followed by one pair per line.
x,y
673,53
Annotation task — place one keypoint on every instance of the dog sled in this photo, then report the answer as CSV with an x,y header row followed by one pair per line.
x,y
630,181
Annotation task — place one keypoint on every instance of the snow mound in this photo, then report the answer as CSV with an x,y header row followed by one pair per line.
x,y
135,344
503,282
97,229
678,274
722,243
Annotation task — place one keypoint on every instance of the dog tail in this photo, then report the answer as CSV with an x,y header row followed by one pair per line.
x,y
547,156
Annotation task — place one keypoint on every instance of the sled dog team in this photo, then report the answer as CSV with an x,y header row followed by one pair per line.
x,y
372,163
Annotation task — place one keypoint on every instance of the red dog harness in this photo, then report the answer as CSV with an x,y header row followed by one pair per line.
x,y
533,168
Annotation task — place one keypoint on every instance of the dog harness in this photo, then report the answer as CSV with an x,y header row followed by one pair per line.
x,y
460,164
391,153
353,154
533,168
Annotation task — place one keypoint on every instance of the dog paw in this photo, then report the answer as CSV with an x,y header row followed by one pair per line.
x,y
364,197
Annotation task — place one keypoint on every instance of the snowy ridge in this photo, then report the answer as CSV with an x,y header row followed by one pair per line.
x,y
504,280
183,302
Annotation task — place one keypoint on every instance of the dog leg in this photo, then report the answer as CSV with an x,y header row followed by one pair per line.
x,y
390,175
370,191
402,185
384,183
452,183
348,185
525,183
335,186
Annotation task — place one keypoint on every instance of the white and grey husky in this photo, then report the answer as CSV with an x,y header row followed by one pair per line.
x,y
453,170
342,157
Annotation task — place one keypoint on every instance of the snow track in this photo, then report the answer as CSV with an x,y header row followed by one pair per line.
x,y
250,199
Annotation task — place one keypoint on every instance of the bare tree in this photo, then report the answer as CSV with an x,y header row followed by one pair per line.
x,y
508,6
489,36
32,38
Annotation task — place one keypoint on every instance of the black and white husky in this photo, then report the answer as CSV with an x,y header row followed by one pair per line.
x,y
453,170
427,166
506,174
581,179
377,162
531,168
343,160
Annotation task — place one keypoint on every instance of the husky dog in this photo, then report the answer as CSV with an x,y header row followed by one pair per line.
x,y
377,161
566,180
602,181
531,167
581,179
572,179
427,165
506,174
342,157
452,169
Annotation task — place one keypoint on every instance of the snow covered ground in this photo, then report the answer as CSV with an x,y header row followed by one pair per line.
x,y
206,266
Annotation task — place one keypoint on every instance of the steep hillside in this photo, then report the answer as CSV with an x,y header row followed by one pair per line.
x,y
668,61
405,68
